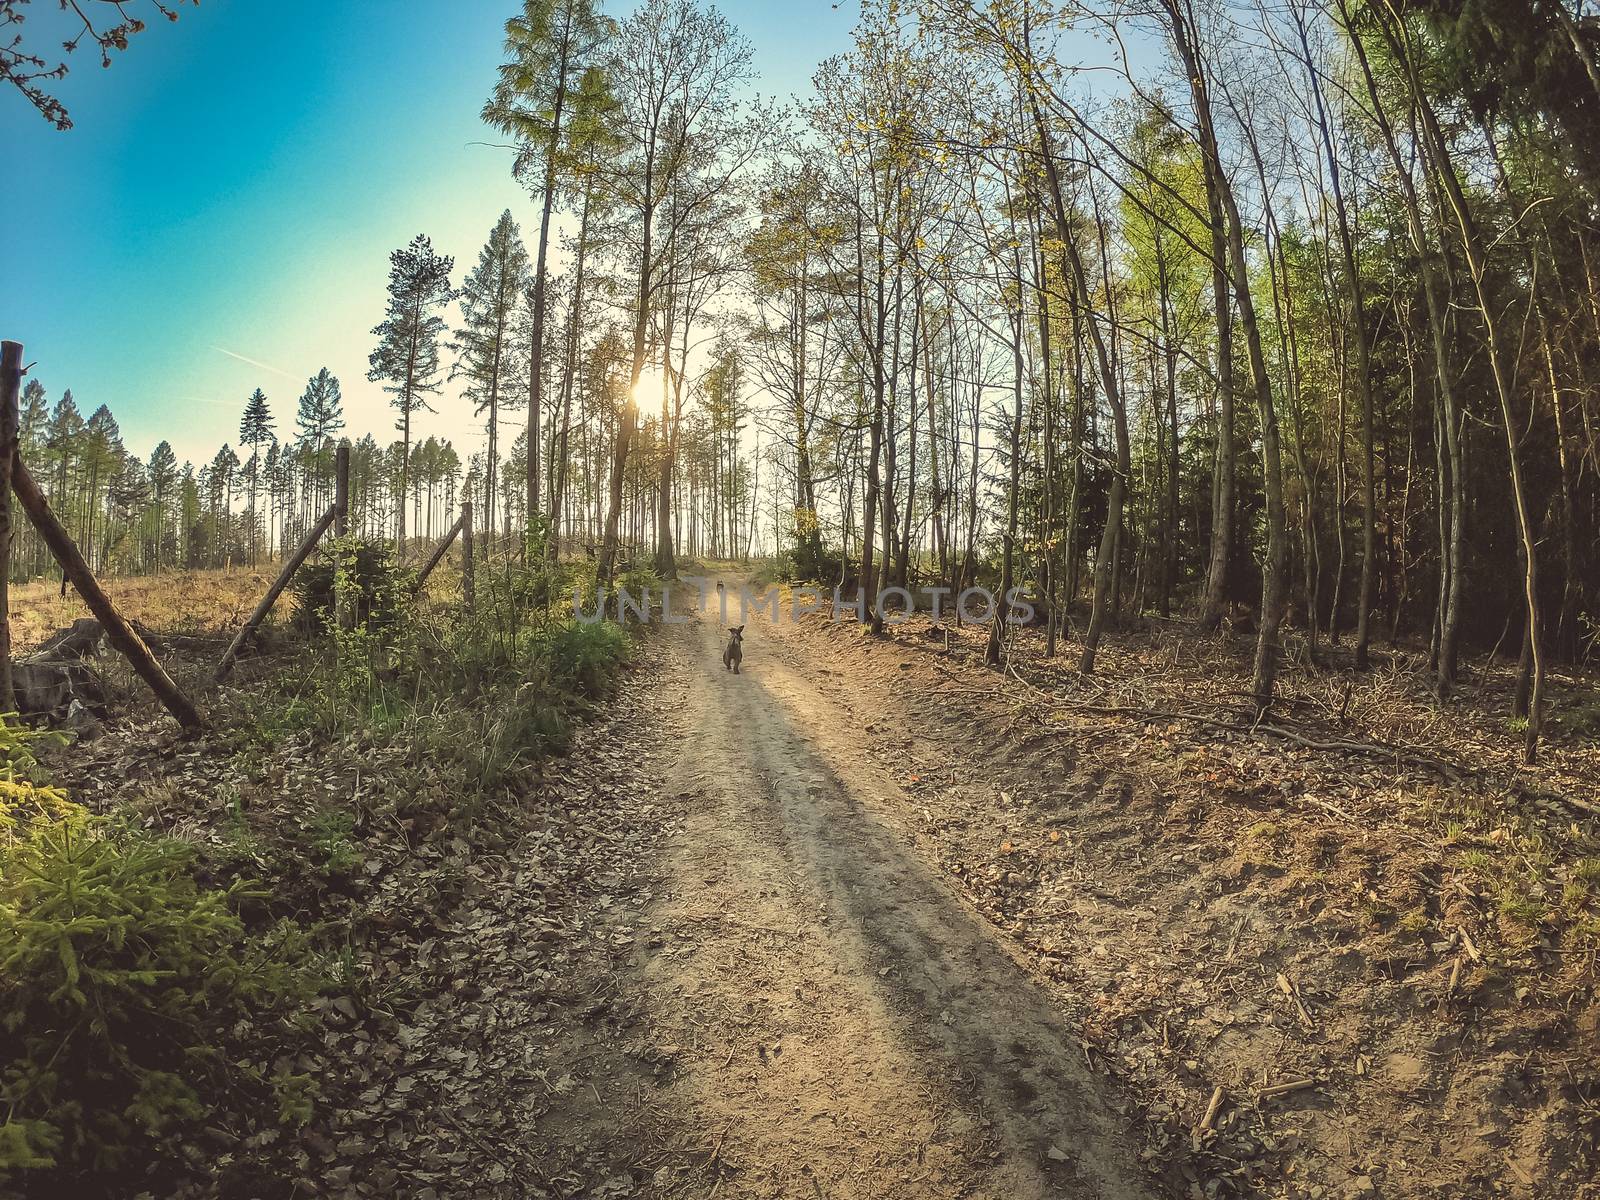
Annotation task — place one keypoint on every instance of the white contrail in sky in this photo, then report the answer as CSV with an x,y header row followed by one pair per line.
x,y
253,362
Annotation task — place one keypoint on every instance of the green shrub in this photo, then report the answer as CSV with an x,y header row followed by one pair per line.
x,y
514,733
332,831
17,742
640,579
380,586
119,980
584,660
803,560
560,667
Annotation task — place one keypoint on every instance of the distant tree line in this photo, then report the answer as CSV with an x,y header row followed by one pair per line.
x,y
133,515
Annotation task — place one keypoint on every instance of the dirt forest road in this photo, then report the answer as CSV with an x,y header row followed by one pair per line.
x,y
840,1022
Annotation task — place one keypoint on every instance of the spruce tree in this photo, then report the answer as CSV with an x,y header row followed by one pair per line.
x,y
407,357
163,475
255,428
100,455
218,483
483,343
321,411
319,417
34,413
61,439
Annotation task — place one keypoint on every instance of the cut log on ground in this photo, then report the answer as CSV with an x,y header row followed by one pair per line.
x,y
47,688
82,639
78,640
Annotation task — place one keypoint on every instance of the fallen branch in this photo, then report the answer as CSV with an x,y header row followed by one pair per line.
x,y
1210,1118
1292,990
1280,1089
1375,749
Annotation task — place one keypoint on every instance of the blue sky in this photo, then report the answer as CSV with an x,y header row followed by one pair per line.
x,y
234,184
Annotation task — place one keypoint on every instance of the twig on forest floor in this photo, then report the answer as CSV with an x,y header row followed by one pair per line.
x,y
1233,942
1450,987
1397,754
507,1159
1207,1121
1328,806
1290,1085
716,1150
1292,990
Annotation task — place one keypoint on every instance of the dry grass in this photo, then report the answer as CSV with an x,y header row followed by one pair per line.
x,y
183,601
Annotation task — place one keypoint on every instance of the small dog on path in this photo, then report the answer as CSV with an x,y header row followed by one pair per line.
x,y
734,654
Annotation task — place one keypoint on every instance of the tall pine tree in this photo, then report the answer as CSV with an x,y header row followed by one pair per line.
x,y
407,357
255,429
548,47
484,342
163,475
320,416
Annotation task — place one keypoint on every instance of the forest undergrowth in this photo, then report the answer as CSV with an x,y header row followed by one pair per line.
x,y
206,939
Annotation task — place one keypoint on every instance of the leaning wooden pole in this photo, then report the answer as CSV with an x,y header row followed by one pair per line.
x,y
10,389
343,606
436,557
248,629
468,588
118,631
341,489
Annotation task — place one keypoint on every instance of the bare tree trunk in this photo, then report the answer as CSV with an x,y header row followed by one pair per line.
x,y
1169,523
1048,516
569,376
869,514
469,593
1274,569
435,558
619,457
1105,561
666,559
997,627
1358,328
1444,172
1432,265
1225,473
541,256
224,666
10,389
